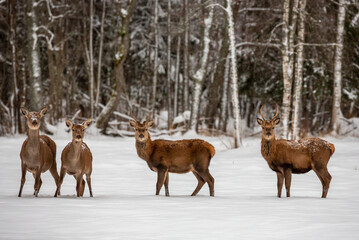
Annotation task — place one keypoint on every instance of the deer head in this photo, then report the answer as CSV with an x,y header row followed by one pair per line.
x,y
141,129
268,125
33,118
78,130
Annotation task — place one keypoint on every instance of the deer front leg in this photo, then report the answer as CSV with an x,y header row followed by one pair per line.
x,y
38,181
161,174
288,180
59,181
80,185
88,180
23,178
166,184
280,178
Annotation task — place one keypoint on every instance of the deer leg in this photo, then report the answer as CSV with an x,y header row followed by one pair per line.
x,y
161,174
200,184
166,184
325,179
23,178
38,181
210,181
88,180
279,183
59,181
288,180
55,175
80,185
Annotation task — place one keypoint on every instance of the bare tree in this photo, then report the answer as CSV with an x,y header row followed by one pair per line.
x,y
169,72
338,68
185,58
155,66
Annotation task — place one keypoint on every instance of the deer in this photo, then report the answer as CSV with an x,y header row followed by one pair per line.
x,y
181,156
76,159
38,152
294,156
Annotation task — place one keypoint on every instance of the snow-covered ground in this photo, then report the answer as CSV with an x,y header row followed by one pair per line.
x,y
124,206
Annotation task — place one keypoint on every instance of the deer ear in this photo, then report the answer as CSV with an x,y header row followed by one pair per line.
x,y
87,123
69,123
132,123
259,121
43,111
24,111
277,121
150,123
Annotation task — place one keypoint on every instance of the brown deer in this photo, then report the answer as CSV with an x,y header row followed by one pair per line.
x,y
76,159
163,156
38,152
286,157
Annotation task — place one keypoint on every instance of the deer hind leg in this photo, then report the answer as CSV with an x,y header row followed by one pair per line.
x,y
23,178
161,174
88,180
166,184
38,182
200,184
59,181
325,179
280,178
288,180
210,181
55,175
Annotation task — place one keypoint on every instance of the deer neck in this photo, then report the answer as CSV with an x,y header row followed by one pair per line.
x,y
75,150
34,139
144,149
268,148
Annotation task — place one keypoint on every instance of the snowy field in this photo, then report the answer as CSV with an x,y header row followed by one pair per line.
x,y
124,206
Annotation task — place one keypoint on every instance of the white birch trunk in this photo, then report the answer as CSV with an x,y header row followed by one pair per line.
x,y
154,84
14,99
337,90
234,75
200,73
299,71
100,54
175,103
169,94
185,56
91,61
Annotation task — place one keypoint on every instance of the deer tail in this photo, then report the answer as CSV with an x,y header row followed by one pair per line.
x,y
332,149
210,148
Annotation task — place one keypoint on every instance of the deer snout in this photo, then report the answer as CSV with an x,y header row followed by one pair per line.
x,y
268,134
141,135
78,136
34,122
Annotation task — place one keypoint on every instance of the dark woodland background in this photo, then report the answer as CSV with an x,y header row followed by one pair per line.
x,y
50,56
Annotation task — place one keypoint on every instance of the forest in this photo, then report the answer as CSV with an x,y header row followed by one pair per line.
x,y
205,65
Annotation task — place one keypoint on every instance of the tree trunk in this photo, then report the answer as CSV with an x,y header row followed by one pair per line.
x,y
200,73
100,55
175,102
91,85
155,69
337,89
234,75
169,92
224,102
119,59
185,59
299,71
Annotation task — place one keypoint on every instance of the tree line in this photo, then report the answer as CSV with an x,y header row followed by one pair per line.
x,y
202,65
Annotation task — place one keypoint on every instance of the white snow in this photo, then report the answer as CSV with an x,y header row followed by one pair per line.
x,y
124,206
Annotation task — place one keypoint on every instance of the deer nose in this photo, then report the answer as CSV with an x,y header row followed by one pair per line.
x,y
268,133
141,135
34,122
78,136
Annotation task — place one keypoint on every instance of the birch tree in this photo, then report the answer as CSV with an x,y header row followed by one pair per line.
x,y
337,90
175,101
169,102
200,73
185,58
234,75
91,85
155,67
299,71
288,31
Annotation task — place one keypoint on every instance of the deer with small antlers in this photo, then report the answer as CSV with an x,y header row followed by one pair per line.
x,y
38,152
164,156
286,157
76,159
